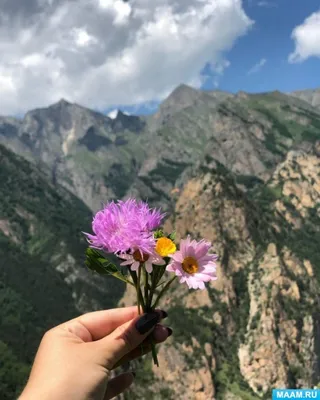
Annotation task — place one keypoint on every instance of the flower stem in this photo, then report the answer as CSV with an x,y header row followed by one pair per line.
x,y
146,289
139,290
154,354
136,281
165,288
145,302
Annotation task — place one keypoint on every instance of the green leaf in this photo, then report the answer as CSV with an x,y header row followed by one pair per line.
x,y
98,263
158,234
172,236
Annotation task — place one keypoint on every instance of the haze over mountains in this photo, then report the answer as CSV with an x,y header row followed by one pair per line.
x,y
241,170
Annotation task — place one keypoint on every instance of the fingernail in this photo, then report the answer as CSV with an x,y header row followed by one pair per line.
x,y
169,331
133,373
164,314
147,322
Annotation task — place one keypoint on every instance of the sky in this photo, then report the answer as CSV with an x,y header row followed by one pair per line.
x,y
130,55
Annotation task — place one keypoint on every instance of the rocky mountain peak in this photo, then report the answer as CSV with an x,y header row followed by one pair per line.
x,y
124,121
61,103
181,97
311,96
239,170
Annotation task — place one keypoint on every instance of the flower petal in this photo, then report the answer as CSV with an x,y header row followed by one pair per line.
x,y
128,262
158,261
135,266
204,277
170,267
125,256
202,249
206,262
201,285
184,245
148,266
177,256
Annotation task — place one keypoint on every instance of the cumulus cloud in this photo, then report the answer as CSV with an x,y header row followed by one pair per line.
x,y
306,37
256,68
106,53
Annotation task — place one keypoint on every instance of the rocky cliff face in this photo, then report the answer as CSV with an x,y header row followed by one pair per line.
x,y
240,170
311,96
97,158
257,326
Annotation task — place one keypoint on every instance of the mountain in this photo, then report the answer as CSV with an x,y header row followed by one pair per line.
x,y
240,170
311,96
43,280
257,327
263,328
96,157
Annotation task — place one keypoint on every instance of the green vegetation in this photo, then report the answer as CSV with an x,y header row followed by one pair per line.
x,y
42,225
168,170
250,181
119,179
285,121
13,373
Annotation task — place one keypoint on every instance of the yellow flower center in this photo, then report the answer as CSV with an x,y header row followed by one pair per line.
x,y
190,265
165,246
141,258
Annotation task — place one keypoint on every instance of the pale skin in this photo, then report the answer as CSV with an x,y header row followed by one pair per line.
x,y
74,359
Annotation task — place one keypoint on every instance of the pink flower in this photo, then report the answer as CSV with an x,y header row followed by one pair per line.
x,y
193,264
137,257
123,226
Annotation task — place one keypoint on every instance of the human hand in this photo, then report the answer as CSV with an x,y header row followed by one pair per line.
x,y
74,359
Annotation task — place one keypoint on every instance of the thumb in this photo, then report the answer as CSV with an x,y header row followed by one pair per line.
x,y
126,337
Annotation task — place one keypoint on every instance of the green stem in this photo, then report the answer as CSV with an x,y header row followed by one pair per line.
x,y
146,303
153,287
154,354
136,281
165,288
139,287
146,289
156,277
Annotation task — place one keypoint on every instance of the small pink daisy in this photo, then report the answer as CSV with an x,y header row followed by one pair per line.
x,y
193,264
137,257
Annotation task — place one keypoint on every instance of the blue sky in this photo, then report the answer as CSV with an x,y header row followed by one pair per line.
x,y
270,39
130,55
259,60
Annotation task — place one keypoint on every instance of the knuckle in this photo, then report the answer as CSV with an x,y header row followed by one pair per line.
x,y
126,335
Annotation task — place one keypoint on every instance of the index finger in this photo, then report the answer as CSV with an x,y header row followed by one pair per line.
x,y
101,323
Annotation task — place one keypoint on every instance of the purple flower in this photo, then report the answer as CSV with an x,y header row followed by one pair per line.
x,y
125,226
193,264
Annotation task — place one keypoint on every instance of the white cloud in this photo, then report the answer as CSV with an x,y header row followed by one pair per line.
x,y
82,38
256,68
113,114
105,53
120,9
307,39
215,70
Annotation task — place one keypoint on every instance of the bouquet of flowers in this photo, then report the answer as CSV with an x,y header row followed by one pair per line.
x,y
131,231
